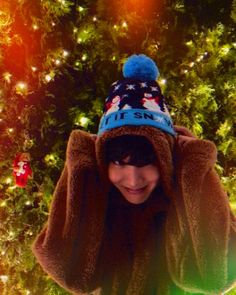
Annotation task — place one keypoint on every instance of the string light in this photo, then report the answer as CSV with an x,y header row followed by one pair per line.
x,y
57,62
189,43
84,121
65,53
10,130
81,9
163,81
11,234
95,19
84,57
35,27
49,77
63,2
3,204
8,180
200,58
124,24
4,279
7,77
21,88
34,69
79,40
21,85
115,27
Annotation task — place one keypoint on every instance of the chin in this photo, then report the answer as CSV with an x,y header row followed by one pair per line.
x,y
136,200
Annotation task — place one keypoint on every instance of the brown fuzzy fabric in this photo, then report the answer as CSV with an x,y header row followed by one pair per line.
x,y
182,240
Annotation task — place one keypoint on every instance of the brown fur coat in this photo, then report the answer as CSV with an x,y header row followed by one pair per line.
x,y
182,240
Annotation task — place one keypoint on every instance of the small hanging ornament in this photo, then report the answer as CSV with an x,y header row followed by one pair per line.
x,y
21,169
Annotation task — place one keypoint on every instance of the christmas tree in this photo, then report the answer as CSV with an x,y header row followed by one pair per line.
x,y
58,59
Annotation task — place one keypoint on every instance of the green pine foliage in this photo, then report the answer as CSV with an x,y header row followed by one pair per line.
x,y
58,59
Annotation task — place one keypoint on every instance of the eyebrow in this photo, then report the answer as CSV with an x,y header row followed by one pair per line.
x,y
137,163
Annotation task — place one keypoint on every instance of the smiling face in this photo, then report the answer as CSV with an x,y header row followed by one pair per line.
x,y
132,167
135,183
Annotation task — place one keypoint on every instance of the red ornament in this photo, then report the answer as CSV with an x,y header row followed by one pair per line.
x,y
21,169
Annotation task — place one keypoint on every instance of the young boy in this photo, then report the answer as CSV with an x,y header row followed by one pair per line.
x,y
139,210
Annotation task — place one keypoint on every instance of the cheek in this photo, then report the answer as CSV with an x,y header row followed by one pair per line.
x,y
113,174
154,176
157,178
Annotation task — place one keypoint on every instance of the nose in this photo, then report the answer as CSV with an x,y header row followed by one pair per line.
x,y
133,177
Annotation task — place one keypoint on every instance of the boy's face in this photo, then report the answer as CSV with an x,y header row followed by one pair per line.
x,y
135,183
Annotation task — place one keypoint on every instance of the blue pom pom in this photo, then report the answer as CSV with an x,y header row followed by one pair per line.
x,y
140,67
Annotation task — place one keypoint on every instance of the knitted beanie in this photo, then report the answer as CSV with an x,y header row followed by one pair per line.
x,y
137,99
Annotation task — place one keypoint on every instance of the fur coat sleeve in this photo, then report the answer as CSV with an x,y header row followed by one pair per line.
x,y
200,228
74,223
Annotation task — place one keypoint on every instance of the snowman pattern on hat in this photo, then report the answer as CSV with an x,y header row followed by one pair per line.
x,y
125,96
113,106
151,103
154,104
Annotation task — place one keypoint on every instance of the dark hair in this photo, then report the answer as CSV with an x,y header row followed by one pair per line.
x,y
137,148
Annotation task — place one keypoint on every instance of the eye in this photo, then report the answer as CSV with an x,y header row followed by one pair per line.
x,y
117,163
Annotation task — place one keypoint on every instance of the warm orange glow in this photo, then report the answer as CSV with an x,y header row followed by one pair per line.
x,y
144,8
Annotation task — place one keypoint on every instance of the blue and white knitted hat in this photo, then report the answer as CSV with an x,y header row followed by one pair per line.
x,y
137,99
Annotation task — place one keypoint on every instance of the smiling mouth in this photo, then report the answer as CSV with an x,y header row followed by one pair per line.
x,y
135,191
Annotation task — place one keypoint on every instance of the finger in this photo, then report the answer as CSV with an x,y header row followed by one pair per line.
x,y
94,136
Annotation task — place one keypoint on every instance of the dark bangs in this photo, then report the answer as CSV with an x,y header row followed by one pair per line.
x,y
137,149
